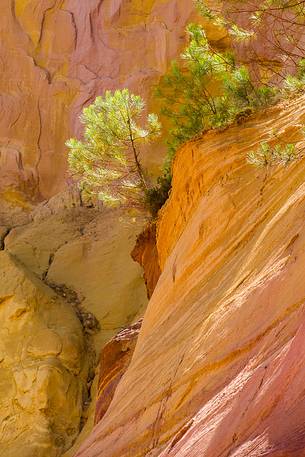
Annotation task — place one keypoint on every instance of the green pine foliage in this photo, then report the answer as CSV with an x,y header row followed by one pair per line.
x,y
156,196
206,89
107,161
295,11
280,154
295,83
235,31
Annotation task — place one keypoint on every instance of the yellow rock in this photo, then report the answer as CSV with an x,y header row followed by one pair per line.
x,y
45,342
84,254
43,368
87,251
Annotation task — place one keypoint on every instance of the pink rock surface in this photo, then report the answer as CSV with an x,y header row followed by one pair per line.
x,y
57,57
219,365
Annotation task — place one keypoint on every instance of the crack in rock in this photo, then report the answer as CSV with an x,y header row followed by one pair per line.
x,y
3,237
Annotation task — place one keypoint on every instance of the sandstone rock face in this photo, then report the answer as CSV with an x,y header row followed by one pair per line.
x,y
219,366
114,361
83,255
43,366
56,58
146,254
87,251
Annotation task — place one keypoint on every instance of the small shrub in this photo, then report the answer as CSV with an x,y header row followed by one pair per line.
x,y
155,197
280,154
295,83
280,22
206,89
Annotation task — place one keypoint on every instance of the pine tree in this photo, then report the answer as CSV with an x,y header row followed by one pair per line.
x,y
279,23
107,160
205,89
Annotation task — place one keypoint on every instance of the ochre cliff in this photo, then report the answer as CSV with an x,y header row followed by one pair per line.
x,y
80,255
114,361
56,57
219,366
146,254
43,366
222,337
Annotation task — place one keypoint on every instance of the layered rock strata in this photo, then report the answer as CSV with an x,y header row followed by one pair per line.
x,y
218,368
114,361
146,254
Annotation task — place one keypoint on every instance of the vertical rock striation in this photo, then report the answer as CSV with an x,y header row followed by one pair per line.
x,y
114,361
57,57
218,368
146,254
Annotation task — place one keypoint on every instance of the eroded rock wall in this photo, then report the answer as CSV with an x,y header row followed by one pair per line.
x,y
85,250
56,57
219,362
81,255
43,366
114,361
146,254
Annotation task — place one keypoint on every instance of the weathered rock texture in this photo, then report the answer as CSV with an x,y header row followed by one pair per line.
x,y
83,256
56,57
114,361
85,250
43,366
220,361
146,254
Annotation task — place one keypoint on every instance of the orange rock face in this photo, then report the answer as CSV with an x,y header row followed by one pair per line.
x,y
114,361
220,361
57,57
146,254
